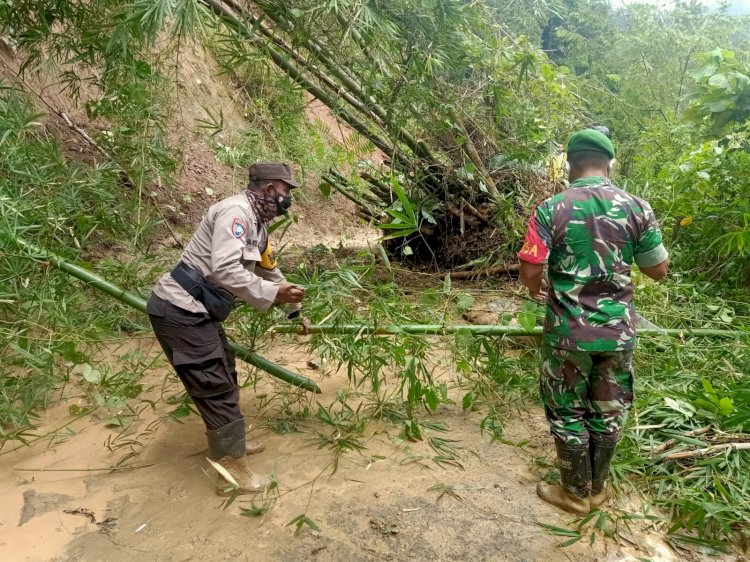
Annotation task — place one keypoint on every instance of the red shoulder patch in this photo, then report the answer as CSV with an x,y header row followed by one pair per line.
x,y
534,249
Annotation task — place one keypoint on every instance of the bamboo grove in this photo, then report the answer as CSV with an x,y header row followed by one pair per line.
x,y
435,97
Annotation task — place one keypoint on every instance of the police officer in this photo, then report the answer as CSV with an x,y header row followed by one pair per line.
x,y
228,257
588,236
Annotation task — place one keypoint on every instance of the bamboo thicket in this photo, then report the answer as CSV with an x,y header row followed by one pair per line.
x,y
424,86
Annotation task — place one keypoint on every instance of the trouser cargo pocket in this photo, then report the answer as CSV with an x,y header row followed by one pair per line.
x,y
203,369
197,348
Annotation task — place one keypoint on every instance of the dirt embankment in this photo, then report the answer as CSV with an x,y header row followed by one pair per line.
x,y
201,179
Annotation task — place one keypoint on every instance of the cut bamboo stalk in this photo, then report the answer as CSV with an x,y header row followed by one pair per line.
x,y
139,303
712,450
482,330
669,443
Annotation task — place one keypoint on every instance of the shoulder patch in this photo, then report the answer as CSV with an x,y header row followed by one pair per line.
x,y
239,227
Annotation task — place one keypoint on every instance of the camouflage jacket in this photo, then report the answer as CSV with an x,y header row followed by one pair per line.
x,y
589,236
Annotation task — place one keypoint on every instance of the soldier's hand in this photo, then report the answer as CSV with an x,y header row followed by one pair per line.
x,y
539,296
289,293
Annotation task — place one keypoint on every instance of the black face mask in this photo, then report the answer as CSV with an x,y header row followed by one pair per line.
x,y
269,206
283,203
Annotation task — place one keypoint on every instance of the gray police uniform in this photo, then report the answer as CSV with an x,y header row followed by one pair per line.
x,y
226,250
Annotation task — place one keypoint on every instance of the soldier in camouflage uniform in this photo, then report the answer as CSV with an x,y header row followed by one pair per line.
x,y
588,236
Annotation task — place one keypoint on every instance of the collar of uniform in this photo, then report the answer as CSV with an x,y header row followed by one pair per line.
x,y
590,181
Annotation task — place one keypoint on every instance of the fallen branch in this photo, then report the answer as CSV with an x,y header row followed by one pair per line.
x,y
478,330
712,450
473,273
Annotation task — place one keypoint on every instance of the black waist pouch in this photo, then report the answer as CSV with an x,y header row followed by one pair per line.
x,y
218,302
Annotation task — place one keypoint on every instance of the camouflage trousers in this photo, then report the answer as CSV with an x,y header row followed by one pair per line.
x,y
585,394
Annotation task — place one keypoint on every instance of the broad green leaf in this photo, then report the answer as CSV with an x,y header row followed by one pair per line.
x,y
431,399
726,406
464,302
680,406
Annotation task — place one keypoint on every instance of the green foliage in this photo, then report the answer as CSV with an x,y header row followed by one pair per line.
x,y
677,100
345,425
301,521
48,200
108,47
442,83
277,113
403,218
72,207
722,94
449,74
372,359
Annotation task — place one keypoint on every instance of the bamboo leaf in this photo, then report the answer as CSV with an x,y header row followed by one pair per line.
x,y
224,473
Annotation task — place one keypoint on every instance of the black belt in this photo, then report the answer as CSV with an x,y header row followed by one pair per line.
x,y
218,302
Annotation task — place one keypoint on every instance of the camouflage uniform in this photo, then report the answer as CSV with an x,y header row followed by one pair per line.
x,y
589,236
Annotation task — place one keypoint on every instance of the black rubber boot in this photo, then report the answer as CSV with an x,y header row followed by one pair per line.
x,y
575,474
575,468
228,440
601,453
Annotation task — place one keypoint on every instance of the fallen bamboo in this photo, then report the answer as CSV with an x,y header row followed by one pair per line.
x,y
361,205
299,77
419,148
473,273
140,304
669,443
481,330
712,450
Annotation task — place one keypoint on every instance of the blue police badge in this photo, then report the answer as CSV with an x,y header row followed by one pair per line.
x,y
239,227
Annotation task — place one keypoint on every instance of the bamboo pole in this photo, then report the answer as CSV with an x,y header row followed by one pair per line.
x,y
342,185
361,205
471,151
419,148
712,450
140,304
368,195
483,330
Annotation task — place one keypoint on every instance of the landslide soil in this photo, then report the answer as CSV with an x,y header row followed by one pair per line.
x,y
389,502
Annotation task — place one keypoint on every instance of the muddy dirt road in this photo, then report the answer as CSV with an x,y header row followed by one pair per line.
x,y
389,502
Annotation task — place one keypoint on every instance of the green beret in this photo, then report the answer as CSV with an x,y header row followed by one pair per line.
x,y
591,140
